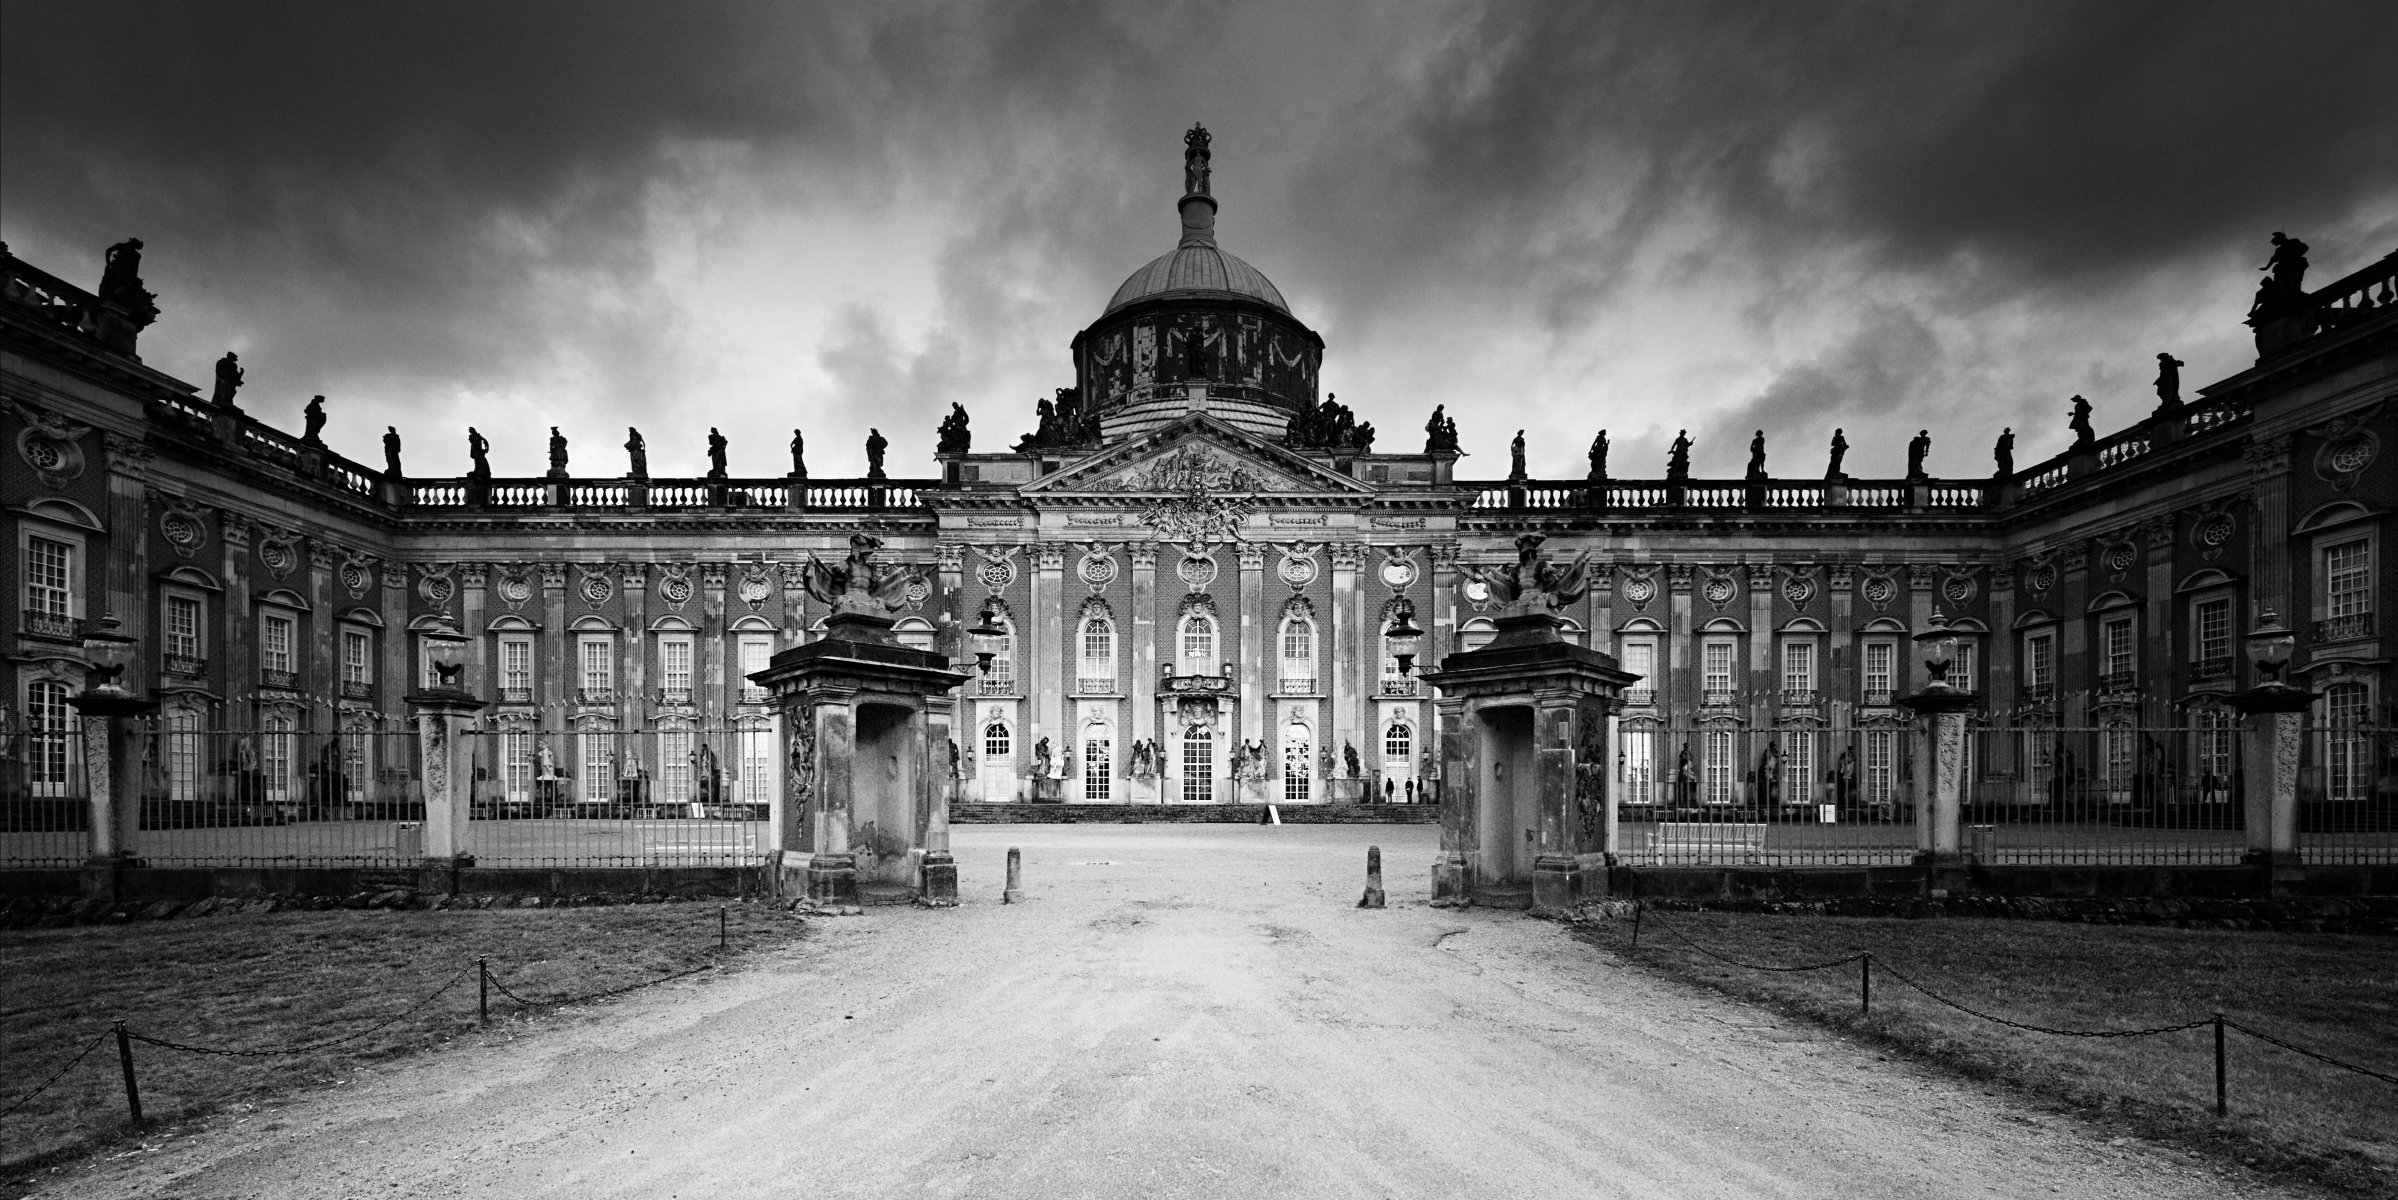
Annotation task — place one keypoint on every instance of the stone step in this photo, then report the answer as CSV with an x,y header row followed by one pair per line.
x,y
885,893
1503,895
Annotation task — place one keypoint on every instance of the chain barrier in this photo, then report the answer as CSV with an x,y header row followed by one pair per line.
x,y
2317,1055
1894,973
311,1047
61,1073
529,1002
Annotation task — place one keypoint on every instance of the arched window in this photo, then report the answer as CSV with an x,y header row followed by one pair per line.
x,y
1199,763
1398,748
1098,639
1199,645
1298,655
1298,762
2347,763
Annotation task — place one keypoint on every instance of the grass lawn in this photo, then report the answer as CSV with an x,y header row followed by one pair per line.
x,y
267,980
2334,993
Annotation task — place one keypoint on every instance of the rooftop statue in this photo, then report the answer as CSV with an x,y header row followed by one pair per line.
x,y
715,454
799,455
2084,437
1677,459
391,452
1331,426
1917,450
2282,290
2169,385
1530,584
121,283
956,438
638,451
876,443
1440,433
859,584
557,451
1598,457
1839,451
313,417
1194,161
228,380
1515,456
2004,453
1757,456
479,451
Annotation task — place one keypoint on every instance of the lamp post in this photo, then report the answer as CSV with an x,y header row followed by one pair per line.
x,y
445,650
2271,744
1403,638
1939,807
111,776
986,638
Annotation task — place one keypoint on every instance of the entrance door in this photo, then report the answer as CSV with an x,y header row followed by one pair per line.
x,y
998,763
1508,799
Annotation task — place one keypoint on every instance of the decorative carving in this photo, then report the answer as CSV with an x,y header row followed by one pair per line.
x,y
999,566
1298,565
1798,585
395,576
51,445
1097,567
1531,584
2212,530
322,555
2039,573
2117,556
1958,586
2076,555
755,586
1196,570
802,757
127,455
674,584
1719,589
1348,556
1049,556
473,574
632,576
860,584
712,576
2268,455
278,550
1879,588
184,525
1250,556
515,587
949,556
1677,576
2348,447
1143,555
1840,577
433,582
357,574
1399,566
234,528
1640,586
596,586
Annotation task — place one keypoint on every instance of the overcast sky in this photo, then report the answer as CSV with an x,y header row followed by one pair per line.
x,y
1555,216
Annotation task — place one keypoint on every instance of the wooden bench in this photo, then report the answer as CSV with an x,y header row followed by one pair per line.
x,y
1710,841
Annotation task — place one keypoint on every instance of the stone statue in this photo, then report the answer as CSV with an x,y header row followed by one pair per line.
x,y
1917,450
1685,775
1757,456
1349,759
2287,264
638,451
955,437
2169,385
1515,456
313,417
2004,453
121,272
1677,460
557,451
1844,777
1194,161
799,455
715,453
1769,773
228,380
876,443
1040,758
1440,433
391,452
1529,584
1839,451
1598,457
2084,437
545,762
479,451
859,584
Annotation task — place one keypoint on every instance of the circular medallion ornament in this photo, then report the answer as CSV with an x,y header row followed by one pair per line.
x,y
1477,592
279,558
1798,589
1879,590
1958,588
1196,570
597,589
354,576
1297,572
2351,457
1720,590
1097,570
675,589
2212,534
45,454
1640,590
918,592
997,573
516,589
754,590
2040,578
183,531
437,590
1398,573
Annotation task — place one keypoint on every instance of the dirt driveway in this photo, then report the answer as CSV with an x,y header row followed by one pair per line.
x,y
1176,1011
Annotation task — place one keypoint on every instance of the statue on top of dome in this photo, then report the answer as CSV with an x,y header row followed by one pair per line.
x,y
1194,160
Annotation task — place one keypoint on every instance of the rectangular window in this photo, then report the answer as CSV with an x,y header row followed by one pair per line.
x,y
357,657
1199,645
1716,666
2212,621
1198,767
1299,657
756,650
1716,771
599,766
1798,665
599,664
1298,764
49,577
1961,672
1640,658
674,766
1881,766
1798,769
2119,653
1640,766
516,765
183,627
674,663
2119,744
2212,758
278,753
516,668
1880,658
2348,578
276,633
2040,660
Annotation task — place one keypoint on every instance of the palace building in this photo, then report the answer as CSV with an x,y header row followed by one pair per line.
x,y
1195,558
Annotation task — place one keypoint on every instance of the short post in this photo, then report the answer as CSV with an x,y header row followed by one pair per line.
x,y
482,990
133,1094
1373,896
1865,985
1015,877
724,936
2222,1107
1639,910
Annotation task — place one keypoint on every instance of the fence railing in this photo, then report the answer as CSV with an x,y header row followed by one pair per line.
x,y
666,798
45,809
277,797
2348,795
2110,795
1728,795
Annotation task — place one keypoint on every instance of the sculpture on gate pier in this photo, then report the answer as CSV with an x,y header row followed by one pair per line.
x,y
1530,584
859,585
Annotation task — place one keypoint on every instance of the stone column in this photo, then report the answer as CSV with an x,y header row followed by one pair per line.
x,y
1682,667
112,776
1348,622
559,672
442,720
1257,646
2271,744
709,688
2073,640
1452,872
1046,659
1144,648
1938,790
632,669
825,718
1765,670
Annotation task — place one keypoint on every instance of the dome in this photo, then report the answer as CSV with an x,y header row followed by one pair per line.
x,y
1199,270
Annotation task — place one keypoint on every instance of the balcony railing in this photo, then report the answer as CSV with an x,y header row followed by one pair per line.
x,y
1879,698
2119,681
185,664
995,685
1095,685
357,689
2344,629
1405,685
1718,697
1798,697
1640,696
753,694
595,695
287,680
516,695
2036,693
675,696
59,626
2212,668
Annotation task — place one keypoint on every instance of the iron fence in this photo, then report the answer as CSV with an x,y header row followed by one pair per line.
x,y
45,811
277,797
661,797
1731,795
2105,795
2348,795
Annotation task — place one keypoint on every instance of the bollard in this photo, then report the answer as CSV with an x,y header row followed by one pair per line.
x,y
1015,877
1865,985
482,991
2222,1108
1373,896
1639,910
133,1095
723,933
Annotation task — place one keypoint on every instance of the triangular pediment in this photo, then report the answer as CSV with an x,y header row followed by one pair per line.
x,y
1197,453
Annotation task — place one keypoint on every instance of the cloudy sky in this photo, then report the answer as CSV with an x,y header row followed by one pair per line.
x,y
1556,216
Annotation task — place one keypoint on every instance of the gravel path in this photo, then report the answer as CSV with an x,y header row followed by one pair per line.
x,y
1175,1011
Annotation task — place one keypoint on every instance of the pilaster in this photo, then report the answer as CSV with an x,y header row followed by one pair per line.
x,y
1144,640
473,579
710,687
1047,656
1256,636
1348,619
240,641
129,550
559,672
2269,534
